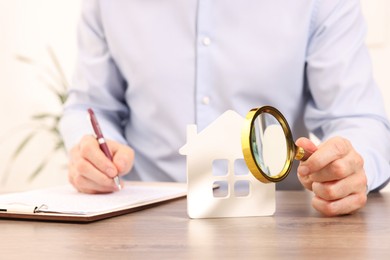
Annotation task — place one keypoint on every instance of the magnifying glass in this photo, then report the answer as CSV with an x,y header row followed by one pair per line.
x,y
268,146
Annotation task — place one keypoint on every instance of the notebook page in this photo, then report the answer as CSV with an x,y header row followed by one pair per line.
x,y
66,199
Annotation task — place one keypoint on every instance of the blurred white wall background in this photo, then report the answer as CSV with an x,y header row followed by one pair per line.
x,y
27,27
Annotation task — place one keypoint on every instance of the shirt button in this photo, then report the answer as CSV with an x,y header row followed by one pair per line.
x,y
206,100
206,41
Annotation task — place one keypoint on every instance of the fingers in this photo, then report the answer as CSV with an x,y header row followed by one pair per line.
x,y
303,171
329,154
85,177
90,171
346,205
89,150
307,145
91,182
335,190
334,160
123,157
335,174
305,181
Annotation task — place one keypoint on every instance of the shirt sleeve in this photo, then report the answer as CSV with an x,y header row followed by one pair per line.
x,y
97,84
345,101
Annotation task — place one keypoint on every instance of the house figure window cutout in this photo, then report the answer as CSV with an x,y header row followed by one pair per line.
x,y
219,183
241,187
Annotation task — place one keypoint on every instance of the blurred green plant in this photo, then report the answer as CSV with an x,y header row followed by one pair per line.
x,y
54,79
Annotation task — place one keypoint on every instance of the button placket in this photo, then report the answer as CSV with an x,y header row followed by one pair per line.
x,y
204,71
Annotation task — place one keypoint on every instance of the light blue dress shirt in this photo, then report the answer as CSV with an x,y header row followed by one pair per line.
x,y
149,68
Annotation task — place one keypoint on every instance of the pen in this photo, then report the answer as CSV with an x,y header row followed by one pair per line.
x,y
102,142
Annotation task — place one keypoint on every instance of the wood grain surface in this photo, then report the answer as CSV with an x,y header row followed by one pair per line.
x,y
296,231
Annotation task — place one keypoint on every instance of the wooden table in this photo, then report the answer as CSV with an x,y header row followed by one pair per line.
x,y
296,231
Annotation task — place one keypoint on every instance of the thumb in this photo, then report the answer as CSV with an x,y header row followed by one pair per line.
x,y
123,157
307,145
303,170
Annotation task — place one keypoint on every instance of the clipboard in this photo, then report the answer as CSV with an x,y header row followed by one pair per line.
x,y
65,204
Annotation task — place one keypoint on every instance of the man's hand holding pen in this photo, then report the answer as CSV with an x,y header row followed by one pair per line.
x,y
91,171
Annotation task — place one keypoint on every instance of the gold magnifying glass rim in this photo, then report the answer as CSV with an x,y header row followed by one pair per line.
x,y
246,137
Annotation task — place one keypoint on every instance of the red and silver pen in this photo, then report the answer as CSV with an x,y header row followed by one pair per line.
x,y
102,142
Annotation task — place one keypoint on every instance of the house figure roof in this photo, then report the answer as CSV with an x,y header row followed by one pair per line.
x,y
224,132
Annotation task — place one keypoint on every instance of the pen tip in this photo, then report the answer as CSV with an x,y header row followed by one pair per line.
x,y
117,182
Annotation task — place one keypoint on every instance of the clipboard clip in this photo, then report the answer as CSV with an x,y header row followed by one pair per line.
x,y
20,208
45,209
41,209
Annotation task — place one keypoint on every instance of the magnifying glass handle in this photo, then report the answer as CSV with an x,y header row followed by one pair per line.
x,y
301,154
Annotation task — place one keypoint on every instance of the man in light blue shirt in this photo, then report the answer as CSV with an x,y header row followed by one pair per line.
x,y
150,68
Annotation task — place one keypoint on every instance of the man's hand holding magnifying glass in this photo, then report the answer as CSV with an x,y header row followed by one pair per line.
x,y
335,174
333,170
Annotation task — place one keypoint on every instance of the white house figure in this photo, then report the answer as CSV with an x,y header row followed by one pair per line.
x,y
214,158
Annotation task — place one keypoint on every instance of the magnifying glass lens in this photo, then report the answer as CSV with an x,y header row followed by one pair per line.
x,y
269,145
